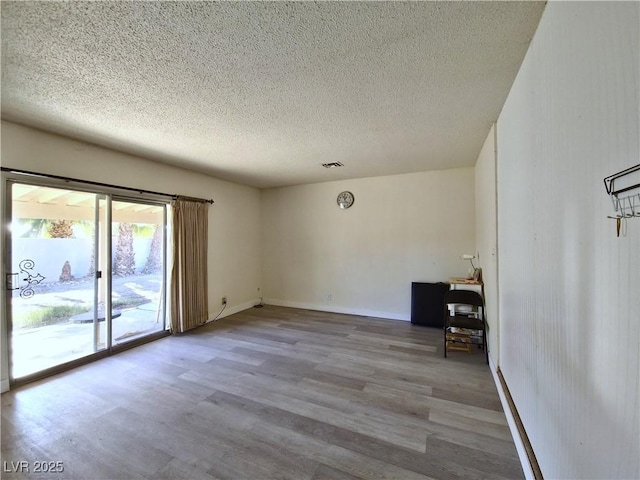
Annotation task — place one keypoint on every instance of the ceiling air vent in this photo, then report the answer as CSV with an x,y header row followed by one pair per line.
x,y
332,165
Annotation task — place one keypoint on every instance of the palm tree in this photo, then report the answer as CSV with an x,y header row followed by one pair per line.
x,y
60,229
36,227
154,260
43,228
124,262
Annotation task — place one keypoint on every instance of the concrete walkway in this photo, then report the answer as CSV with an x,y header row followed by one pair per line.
x,y
34,349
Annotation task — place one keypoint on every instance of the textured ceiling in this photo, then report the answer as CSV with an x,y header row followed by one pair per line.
x,y
263,93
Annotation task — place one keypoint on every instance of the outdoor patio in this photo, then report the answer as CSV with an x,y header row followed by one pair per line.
x,y
136,298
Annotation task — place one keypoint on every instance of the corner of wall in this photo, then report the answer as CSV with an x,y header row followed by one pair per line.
x,y
487,235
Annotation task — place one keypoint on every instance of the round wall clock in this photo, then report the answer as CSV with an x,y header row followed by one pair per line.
x,y
345,200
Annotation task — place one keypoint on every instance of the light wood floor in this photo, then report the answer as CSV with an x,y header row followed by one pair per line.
x,y
268,393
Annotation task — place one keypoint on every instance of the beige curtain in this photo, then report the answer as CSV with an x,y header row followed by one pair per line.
x,y
189,302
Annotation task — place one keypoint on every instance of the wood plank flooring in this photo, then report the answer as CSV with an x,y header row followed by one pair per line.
x,y
268,393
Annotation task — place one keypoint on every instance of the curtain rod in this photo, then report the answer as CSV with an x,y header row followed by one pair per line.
x,y
108,185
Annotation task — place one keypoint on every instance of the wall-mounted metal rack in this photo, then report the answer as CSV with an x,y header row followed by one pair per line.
x,y
624,190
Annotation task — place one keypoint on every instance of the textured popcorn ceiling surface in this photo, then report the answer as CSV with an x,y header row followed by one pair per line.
x,y
263,93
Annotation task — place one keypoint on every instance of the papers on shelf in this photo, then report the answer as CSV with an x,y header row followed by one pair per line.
x,y
464,335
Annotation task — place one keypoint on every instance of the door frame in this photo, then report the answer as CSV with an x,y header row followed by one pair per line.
x,y
165,286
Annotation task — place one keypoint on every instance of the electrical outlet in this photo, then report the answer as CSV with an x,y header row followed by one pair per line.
x,y
224,300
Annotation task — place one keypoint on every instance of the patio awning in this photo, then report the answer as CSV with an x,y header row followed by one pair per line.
x,y
30,201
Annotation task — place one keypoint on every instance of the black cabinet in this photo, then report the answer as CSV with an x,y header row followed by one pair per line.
x,y
427,303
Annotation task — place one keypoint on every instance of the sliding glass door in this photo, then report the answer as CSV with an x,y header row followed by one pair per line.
x,y
54,236
137,292
87,274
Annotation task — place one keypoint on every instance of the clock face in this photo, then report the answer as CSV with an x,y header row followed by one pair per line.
x,y
345,200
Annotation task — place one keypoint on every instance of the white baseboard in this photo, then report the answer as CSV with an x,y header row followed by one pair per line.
x,y
237,308
522,453
4,385
337,309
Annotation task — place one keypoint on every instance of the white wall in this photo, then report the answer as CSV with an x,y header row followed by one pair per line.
x,y
569,289
487,237
234,219
401,228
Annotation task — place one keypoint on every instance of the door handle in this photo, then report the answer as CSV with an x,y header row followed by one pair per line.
x,y
11,280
